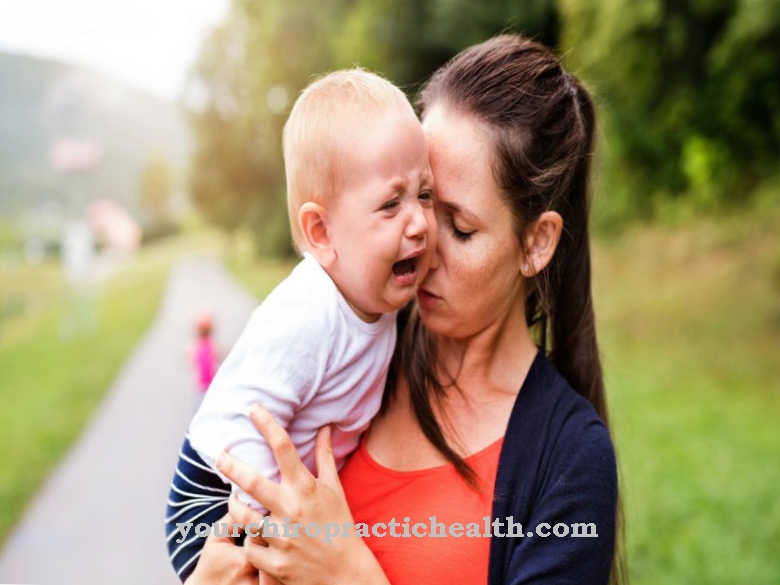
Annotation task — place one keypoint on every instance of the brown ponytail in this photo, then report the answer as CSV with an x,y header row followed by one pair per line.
x,y
566,283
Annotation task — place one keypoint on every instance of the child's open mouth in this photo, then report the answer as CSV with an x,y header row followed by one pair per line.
x,y
405,271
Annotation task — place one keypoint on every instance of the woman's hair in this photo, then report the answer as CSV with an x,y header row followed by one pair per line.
x,y
542,121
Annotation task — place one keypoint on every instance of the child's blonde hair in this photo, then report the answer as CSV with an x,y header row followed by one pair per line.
x,y
312,132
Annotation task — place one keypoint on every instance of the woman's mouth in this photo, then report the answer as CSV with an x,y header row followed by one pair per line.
x,y
425,298
405,271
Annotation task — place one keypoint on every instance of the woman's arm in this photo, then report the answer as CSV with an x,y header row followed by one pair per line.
x,y
582,496
302,499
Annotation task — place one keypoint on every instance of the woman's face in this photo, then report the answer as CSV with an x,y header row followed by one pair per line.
x,y
474,282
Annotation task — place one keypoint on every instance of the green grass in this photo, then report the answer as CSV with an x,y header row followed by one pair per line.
x,y
261,276
689,322
49,387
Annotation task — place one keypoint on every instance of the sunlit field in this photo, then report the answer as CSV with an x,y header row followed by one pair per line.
x,y
689,321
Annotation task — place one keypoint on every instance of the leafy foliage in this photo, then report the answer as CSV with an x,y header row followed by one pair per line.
x,y
254,65
689,91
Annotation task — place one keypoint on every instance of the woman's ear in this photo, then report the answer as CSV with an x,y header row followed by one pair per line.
x,y
313,221
541,240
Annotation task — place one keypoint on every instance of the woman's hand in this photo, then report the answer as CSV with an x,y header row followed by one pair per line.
x,y
222,562
303,499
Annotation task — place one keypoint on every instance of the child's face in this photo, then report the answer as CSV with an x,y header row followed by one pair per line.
x,y
381,221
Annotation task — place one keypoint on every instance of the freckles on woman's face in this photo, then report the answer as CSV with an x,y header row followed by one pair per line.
x,y
476,280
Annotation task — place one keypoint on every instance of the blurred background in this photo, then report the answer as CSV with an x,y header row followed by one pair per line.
x,y
137,138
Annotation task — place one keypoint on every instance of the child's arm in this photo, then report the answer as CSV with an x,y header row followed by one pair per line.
x,y
197,496
279,362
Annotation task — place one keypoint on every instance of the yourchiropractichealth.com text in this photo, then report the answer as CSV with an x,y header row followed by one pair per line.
x,y
487,527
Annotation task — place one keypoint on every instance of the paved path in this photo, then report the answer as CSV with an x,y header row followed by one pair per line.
x,y
99,518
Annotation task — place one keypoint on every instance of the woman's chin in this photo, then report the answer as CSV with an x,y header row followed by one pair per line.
x,y
432,312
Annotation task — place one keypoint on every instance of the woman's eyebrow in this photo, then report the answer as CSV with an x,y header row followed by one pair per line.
x,y
458,209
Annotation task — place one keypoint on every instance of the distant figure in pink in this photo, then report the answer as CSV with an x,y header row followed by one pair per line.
x,y
204,356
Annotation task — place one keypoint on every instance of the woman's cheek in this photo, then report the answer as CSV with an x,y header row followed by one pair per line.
x,y
433,228
437,225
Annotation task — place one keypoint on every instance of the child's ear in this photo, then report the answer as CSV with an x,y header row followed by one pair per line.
x,y
313,221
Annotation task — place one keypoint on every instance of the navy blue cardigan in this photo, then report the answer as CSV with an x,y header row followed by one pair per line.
x,y
557,465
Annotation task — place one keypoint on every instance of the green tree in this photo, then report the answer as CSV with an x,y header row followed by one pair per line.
x,y
250,69
408,40
691,95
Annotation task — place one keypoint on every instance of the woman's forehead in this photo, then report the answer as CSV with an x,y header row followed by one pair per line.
x,y
463,134
460,150
458,142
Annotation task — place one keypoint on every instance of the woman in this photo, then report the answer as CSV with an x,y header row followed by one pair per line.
x,y
477,421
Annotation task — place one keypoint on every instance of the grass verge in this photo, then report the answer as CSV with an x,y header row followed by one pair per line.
x,y
689,324
49,386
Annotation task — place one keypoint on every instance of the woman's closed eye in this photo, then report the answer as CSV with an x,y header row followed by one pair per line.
x,y
460,235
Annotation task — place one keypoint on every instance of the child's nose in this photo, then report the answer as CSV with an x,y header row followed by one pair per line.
x,y
417,226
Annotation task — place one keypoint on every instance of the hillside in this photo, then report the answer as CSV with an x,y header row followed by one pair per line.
x,y
43,102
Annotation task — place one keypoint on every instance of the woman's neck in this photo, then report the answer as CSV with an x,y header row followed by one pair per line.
x,y
494,360
489,369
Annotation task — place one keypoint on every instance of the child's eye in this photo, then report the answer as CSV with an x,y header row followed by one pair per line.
x,y
426,197
390,205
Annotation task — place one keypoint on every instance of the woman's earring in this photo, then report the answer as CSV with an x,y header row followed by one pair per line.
x,y
524,269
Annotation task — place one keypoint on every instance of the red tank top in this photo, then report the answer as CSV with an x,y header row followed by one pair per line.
x,y
377,495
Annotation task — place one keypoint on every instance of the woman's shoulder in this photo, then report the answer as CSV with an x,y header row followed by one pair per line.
x,y
553,429
547,403
557,466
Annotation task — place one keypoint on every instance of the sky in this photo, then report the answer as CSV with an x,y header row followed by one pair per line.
x,y
147,44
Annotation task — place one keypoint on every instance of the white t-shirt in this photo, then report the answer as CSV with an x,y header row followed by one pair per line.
x,y
307,358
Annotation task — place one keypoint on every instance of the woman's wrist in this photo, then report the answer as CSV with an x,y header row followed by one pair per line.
x,y
363,570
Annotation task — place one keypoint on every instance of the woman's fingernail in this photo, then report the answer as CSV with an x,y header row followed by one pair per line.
x,y
221,460
259,413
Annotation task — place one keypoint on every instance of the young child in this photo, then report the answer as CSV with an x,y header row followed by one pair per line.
x,y
204,355
317,350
